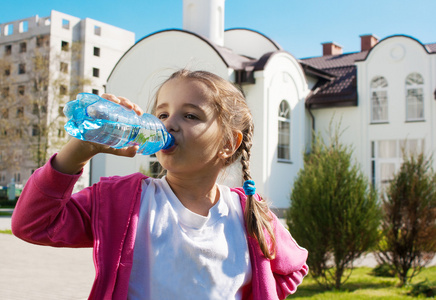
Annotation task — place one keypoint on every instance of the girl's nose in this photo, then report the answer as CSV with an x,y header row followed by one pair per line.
x,y
171,124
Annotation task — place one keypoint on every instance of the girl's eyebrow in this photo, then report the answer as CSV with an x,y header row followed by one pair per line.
x,y
162,106
186,105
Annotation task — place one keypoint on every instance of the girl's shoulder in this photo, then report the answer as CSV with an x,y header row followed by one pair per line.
x,y
138,176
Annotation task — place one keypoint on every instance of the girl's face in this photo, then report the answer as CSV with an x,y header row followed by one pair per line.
x,y
183,105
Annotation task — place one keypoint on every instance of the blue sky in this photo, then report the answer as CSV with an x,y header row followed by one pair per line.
x,y
299,26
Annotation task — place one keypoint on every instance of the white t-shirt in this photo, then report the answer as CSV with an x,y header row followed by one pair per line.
x,y
179,254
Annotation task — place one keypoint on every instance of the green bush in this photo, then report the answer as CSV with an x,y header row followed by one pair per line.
x,y
383,270
333,212
5,203
423,288
408,226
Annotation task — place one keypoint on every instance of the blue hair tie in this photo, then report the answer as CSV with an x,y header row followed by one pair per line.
x,y
249,188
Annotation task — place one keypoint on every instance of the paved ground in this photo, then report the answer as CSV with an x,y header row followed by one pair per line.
x,y
31,272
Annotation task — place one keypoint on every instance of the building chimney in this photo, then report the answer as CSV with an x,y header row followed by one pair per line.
x,y
367,41
331,48
206,18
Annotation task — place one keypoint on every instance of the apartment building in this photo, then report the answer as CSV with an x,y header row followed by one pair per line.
x,y
45,61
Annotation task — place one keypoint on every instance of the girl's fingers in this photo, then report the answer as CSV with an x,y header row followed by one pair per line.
x,y
126,151
124,102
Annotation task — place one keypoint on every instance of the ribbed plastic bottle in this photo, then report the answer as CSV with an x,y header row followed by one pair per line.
x,y
94,119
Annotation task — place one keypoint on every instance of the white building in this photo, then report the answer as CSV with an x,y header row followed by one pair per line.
x,y
272,80
384,97
101,47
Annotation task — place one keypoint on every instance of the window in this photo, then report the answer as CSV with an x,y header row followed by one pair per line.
x,y
284,132
61,132
63,90
65,46
24,26
97,30
95,92
414,97
19,132
96,51
8,49
35,130
23,47
9,29
41,40
387,157
5,113
95,72
65,24
64,67
5,92
379,100
17,177
20,112
22,68
37,109
7,70
21,90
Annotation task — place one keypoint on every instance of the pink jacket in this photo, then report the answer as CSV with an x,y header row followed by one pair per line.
x,y
105,217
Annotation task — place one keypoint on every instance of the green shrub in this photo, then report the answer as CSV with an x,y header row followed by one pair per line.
x,y
408,226
423,288
383,270
333,213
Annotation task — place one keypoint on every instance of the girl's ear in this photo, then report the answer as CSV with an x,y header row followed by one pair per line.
x,y
231,146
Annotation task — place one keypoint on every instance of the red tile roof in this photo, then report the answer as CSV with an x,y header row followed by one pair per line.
x,y
334,61
340,90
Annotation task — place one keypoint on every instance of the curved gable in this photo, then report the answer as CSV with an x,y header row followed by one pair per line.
x,y
143,67
249,43
395,52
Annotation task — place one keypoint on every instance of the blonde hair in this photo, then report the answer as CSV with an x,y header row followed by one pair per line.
x,y
234,115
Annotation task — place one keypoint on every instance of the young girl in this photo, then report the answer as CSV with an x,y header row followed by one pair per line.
x,y
179,237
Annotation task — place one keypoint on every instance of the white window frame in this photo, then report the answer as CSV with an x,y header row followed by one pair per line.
x,y
414,97
393,156
284,132
379,95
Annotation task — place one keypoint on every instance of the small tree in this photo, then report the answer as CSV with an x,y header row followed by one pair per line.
x,y
333,213
32,101
409,218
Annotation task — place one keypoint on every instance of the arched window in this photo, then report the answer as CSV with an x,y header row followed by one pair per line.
x,y
379,100
284,143
414,97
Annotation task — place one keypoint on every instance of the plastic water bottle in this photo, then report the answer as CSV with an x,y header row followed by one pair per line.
x,y
94,119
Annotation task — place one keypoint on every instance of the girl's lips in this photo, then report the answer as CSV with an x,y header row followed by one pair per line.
x,y
169,150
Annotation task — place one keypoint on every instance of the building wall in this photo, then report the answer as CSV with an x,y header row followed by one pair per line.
x,y
139,73
377,146
58,29
282,78
284,81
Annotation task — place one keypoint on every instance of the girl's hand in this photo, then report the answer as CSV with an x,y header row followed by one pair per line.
x,y
127,151
124,102
76,153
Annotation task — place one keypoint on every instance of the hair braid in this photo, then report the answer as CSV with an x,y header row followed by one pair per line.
x,y
257,215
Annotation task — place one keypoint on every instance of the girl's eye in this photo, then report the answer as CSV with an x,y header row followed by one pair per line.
x,y
191,117
162,116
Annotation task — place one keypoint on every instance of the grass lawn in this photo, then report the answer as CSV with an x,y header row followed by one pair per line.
x,y
362,285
